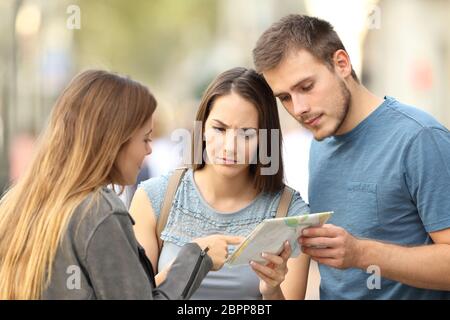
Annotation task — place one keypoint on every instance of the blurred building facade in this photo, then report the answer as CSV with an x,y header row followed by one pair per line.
x,y
409,56
399,48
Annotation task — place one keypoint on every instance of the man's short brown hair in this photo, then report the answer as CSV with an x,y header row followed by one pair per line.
x,y
297,32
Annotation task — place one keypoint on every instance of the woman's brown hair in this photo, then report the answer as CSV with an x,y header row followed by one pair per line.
x,y
252,87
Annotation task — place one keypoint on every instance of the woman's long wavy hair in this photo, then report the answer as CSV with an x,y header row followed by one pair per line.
x,y
92,120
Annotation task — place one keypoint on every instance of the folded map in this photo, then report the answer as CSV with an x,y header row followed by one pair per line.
x,y
270,235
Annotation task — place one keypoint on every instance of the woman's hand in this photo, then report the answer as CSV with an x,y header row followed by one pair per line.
x,y
162,275
273,273
218,247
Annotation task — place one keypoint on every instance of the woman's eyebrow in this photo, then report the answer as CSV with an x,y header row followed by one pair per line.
x,y
151,130
221,123
225,125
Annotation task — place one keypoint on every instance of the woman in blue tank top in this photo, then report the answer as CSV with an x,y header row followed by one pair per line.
x,y
234,183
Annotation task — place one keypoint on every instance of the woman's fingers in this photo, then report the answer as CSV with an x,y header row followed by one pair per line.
x,y
287,251
233,239
271,273
278,260
266,279
271,258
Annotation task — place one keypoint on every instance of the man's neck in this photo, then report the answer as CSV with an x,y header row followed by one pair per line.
x,y
362,104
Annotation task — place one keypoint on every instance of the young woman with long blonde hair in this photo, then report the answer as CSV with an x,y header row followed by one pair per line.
x,y
63,234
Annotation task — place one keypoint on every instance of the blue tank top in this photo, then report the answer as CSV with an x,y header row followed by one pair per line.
x,y
192,217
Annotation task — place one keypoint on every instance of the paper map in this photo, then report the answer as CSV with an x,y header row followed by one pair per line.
x,y
270,235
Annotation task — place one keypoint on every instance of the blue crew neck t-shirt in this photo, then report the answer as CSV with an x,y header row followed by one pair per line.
x,y
388,179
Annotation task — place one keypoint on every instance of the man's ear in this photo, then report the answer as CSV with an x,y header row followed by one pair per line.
x,y
342,64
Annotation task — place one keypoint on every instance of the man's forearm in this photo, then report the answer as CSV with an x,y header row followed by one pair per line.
x,y
425,266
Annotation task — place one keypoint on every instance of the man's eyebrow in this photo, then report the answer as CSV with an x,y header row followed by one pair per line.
x,y
298,83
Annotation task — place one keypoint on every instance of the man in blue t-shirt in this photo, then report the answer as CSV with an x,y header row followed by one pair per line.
x,y
383,168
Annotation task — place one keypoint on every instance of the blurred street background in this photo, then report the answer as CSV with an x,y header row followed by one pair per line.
x,y
399,48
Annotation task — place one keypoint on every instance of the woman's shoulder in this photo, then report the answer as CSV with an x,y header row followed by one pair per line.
x,y
101,203
156,183
297,205
155,188
97,207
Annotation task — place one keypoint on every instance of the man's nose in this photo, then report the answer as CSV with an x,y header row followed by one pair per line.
x,y
300,105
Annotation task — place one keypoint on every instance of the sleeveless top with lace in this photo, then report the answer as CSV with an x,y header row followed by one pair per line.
x,y
192,217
